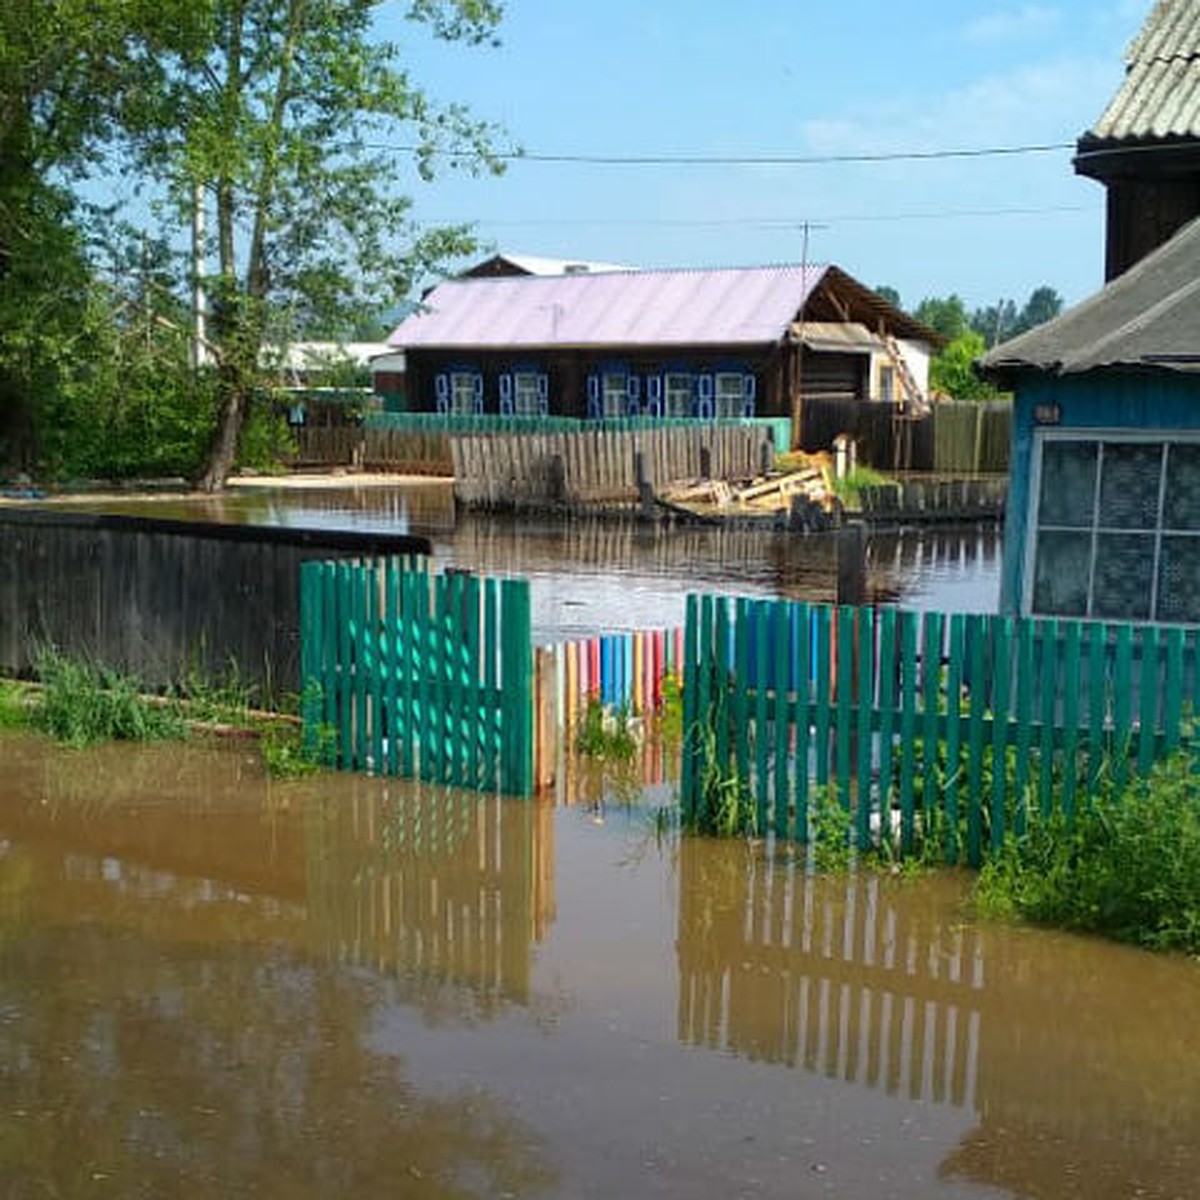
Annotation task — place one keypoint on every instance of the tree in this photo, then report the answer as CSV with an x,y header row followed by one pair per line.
x,y
1044,304
884,292
280,112
947,316
952,371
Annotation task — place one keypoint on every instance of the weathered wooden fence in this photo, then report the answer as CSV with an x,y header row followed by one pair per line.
x,y
960,437
422,675
924,726
927,501
163,599
595,466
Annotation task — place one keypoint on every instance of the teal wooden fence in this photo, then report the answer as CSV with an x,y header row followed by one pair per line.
x,y
417,674
922,724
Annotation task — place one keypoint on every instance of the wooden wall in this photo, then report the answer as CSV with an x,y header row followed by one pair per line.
x,y
156,598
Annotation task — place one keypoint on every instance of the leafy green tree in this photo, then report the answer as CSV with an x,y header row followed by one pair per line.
x,y
286,115
884,292
951,372
1044,304
947,315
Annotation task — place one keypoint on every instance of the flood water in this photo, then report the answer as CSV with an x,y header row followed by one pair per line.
x,y
212,985
610,575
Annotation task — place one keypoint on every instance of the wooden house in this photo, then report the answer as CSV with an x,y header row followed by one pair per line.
x,y
1145,148
699,344
1103,516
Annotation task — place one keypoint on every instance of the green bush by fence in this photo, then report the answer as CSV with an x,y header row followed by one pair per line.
x,y
927,727
422,675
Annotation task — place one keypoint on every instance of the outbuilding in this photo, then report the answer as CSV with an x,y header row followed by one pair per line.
x,y
1103,514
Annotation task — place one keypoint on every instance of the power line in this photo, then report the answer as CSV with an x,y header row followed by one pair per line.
x,y
738,160
781,222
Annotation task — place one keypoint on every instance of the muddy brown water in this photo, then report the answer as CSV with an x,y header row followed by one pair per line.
x,y
610,575
214,985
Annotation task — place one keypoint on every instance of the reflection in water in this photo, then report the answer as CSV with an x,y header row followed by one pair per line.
x,y
613,574
1079,1058
175,1013
214,985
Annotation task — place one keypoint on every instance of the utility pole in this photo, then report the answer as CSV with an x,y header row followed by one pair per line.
x,y
797,404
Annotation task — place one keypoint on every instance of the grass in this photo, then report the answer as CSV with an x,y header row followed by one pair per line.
x,y
14,705
1126,867
848,489
605,733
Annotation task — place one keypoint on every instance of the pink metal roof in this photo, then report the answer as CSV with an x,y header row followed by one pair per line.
x,y
729,306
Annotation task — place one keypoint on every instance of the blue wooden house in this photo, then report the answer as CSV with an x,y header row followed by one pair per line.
x,y
1103,516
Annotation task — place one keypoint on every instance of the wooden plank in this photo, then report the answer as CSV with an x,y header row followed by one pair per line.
x,y
1148,699
931,704
887,714
1026,663
865,630
1072,636
1002,633
763,611
954,684
375,641
1048,643
1122,748
845,701
1097,704
908,726
823,706
394,664
781,715
1172,719
976,631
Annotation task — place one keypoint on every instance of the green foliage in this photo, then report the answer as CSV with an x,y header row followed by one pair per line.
x,y
848,489
14,705
726,807
605,733
1127,866
831,833
952,371
669,722
288,754
946,315
82,704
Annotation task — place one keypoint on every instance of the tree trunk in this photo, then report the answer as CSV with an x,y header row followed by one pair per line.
x,y
222,449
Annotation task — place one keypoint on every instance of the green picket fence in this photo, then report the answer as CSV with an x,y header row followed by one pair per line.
x,y
475,424
418,674
922,724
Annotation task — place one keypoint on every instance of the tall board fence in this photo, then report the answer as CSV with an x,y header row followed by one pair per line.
x,y
164,600
924,726
598,466
424,675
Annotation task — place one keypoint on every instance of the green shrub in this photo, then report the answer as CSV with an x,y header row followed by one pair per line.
x,y
848,489
82,704
605,733
14,705
1127,866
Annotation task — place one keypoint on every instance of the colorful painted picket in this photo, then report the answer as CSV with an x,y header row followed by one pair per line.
x,y
416,674
924,725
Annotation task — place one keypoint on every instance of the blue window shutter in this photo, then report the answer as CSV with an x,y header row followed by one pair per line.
x,y
633,388
704,408
654,388
654,405
704,388
543,384
477,387
443,404
593,397
506,387
749,387
441,387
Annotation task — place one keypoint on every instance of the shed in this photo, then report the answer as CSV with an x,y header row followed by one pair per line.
x,y
1145,148
685,343
1103,516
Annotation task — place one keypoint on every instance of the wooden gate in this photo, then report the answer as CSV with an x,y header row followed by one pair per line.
x,y
417,674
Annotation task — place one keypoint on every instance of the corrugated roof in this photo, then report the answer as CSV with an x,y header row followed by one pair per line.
x,y
730,306
836,335
1150,316
539,264
1160,97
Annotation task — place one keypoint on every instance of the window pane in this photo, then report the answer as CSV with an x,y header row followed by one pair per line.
x,y
614,395
729,395
1182,510
1129,485
525,394
1123,576
679,395
1060,577
462,392
1179,580
1068,484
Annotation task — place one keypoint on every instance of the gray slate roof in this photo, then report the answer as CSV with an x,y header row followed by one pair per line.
x,y
1147,317
1160,97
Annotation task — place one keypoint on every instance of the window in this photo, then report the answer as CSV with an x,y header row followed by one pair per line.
x,y
462,391
734,392
527,391
1116,528
678,400
887,384
614,394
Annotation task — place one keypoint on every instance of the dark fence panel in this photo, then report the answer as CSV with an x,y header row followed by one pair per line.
x,y
160,598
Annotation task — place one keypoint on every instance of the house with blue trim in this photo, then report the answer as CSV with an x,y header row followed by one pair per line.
x,y
1103,514
685,343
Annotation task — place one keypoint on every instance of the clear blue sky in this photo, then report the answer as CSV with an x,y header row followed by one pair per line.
x,y
769,77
